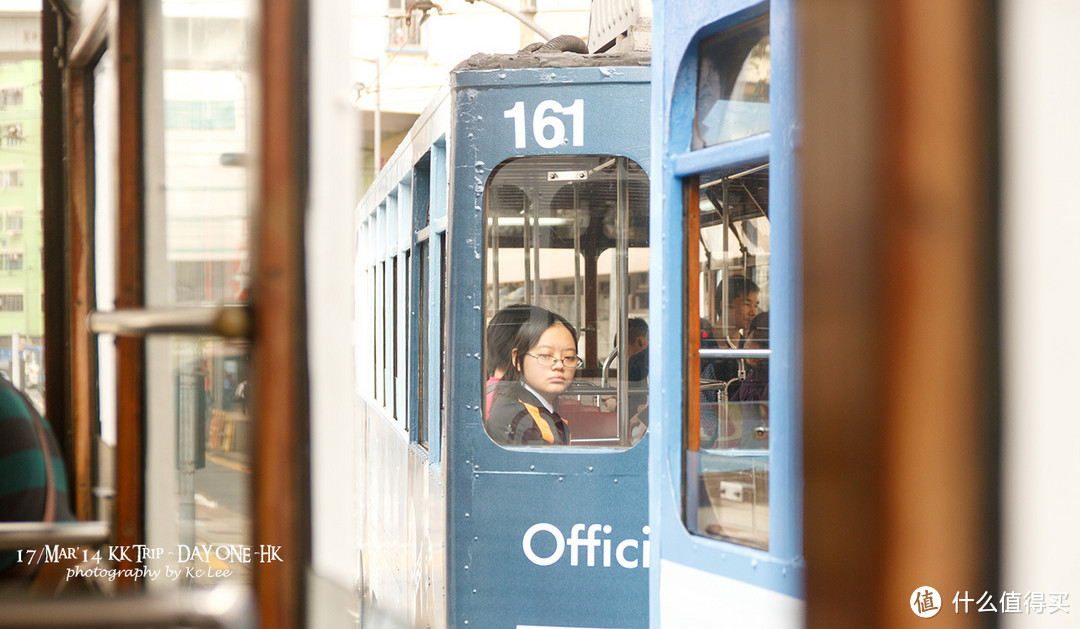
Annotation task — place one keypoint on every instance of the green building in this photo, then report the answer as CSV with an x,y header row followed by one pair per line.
x,y
20,199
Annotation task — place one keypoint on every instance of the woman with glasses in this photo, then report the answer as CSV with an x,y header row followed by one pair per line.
x,y
542,365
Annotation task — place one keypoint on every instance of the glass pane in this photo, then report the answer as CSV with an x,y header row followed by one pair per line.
x,y
21,322
105,207
733,84
198,230
567,257
423,299
727,459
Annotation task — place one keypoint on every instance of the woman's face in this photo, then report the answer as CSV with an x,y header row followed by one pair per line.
x,y
552,380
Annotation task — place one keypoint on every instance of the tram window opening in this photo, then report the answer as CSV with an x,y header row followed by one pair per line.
x,y
727,410
422,349
403,378
733,84
442,335
392,376
576,247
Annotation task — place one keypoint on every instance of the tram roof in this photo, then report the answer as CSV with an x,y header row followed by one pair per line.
x,y
484,61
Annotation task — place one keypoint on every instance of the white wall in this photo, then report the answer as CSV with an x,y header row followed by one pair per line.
x,y
330,252
1041,267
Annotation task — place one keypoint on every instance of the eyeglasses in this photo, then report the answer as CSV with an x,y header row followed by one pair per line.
x,y
547,360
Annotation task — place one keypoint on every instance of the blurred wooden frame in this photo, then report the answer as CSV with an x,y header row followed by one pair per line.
x,y
280,482
901,334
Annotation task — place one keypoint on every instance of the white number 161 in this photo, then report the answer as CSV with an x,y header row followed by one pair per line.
x,y
542,121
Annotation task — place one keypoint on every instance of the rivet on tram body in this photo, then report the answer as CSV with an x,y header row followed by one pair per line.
x,y
466,515
616,480
532,467
590,468
560,479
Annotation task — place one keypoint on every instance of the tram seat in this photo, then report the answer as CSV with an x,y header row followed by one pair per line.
x,y
34,503
588,422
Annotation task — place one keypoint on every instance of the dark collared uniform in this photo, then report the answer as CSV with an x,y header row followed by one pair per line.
x,y
518,418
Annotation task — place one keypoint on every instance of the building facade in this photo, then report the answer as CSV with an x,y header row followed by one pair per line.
x,y
21,323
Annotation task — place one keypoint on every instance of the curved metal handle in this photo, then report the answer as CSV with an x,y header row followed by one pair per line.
x,y
607,363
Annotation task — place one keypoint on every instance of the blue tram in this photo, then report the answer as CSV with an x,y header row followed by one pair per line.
x,y
525,183
725,469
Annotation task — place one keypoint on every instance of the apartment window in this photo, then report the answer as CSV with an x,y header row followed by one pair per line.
x,y
11,96
11,178
200,115
405,32
13,221
11,302
11,260
13,134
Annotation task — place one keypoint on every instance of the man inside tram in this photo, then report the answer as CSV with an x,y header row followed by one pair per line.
x,y
637,364
737,298
752,398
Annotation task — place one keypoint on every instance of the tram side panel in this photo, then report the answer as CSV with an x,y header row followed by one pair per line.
x,y
401,491
541,536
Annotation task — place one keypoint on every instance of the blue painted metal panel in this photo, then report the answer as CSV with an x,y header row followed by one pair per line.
x,y
562,495
678,27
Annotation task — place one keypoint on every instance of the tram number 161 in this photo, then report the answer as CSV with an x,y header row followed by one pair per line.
x,y
542,121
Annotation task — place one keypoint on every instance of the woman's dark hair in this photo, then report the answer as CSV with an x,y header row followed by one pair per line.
x,y
528,335
501,330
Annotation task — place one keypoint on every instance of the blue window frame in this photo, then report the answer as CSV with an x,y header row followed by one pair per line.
x,y
724,88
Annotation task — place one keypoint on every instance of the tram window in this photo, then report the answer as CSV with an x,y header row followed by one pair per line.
x,y
442,335
566,235
392,376
421,372
727,419
403,376
199,423
733,84
380,332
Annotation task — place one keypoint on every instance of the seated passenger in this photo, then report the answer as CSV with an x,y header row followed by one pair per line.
x,y
637,364
752,398
741,305
542,364
501,330
756,385
33,487
738,297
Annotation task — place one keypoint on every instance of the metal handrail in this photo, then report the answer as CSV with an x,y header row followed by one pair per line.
x,y
227,321
16,535
223,607
711,352
607,365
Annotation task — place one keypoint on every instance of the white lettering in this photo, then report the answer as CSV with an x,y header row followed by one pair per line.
x,y
592,537
620,553
526,544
